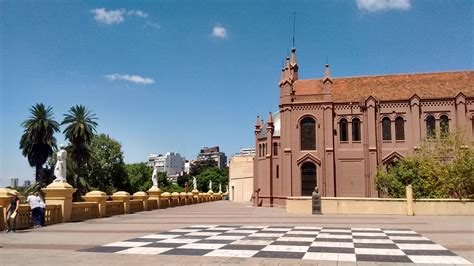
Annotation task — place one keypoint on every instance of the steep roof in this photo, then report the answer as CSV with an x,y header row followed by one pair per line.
x,y
393,87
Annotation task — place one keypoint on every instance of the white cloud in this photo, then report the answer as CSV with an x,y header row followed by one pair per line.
x,y
153,25
219,32
108,17
383,5
137,13
130,78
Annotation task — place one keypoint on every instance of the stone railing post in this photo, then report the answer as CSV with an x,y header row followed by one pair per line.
x,y
195,193
166,199
155,194
175,198
60,193
123,197
143,197
409,191
100,198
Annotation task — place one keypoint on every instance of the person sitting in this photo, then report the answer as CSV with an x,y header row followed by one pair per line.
x,y
12,212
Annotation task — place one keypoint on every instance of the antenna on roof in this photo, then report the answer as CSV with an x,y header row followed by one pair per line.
x,y
327,62
294,26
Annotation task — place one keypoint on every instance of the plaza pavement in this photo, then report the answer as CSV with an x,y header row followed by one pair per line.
x,y
59,244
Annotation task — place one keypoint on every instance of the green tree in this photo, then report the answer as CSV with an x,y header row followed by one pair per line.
x,y
218,176
38,142
199,166
182,179
106,168
139,176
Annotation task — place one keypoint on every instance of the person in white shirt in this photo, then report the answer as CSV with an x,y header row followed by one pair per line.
x,y
42,208
35,209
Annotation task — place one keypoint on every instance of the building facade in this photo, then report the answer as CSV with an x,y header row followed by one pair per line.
x,y
241,175
14,182
334,133
213,153
171,163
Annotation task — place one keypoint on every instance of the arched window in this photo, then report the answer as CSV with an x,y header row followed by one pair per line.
x,y
444,125
386,129
275,149
356,129
308,179
343,130
399,128
430,127
308,134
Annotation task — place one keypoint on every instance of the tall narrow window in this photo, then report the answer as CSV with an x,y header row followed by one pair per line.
x,y
343,130
399,128
444,125
430,127
356,129
308,134
386,129
275,149
259,150
308,179
277,171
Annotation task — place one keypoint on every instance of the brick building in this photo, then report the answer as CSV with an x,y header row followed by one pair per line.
x,y
335,132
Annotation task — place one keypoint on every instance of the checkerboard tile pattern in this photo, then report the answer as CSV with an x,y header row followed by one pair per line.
x,y
301,242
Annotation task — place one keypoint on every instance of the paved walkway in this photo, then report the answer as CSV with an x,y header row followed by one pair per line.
x,y
62,244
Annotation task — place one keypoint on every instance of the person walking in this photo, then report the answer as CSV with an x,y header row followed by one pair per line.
x,y
12,212
35,208
42,209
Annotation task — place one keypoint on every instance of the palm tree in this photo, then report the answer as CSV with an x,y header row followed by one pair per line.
x,y
79,131
37,142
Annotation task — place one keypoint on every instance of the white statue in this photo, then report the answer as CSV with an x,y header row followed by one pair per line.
x,y
154,177
220,187
194,183
227,188
60,168
210,185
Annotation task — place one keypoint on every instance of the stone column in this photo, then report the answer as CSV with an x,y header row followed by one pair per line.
x,y
143,197
99,197
123,197
60,193
155,194
409,191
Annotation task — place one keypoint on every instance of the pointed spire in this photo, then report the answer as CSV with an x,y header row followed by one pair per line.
x,y
327,76
293,56
270,118
287,64
282,76
258,122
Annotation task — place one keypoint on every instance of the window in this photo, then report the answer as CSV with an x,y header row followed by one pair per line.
x,y
444,125
343,135
386,129
356,129
399,128
430,127
308,134
277,171
308,179
275,149
259,150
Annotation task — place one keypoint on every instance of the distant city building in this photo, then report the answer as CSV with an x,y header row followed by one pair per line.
x,y
187,166
241,175
213,153
27,183
14,182
171,163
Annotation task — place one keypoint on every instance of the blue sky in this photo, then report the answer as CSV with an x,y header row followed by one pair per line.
x,y
179,75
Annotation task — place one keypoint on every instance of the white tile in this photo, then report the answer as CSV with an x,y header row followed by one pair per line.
x,y
346,257
419,238
202,246
277,229
372,241
184,230
379,251
336,230
312,256
221,237
420,259
204,226
307,228
333,244
298,239
266,235
252,242
144,250
127,244
457,260
202,233
367,234
253,227
323,235
286,248
222,228
243,231
407,232
420,247
179,240
159,236
303,233
232,253
366,229
431,259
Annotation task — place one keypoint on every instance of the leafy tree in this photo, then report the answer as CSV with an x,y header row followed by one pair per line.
x,y
182,179
216,175
38,142
139,176
199,166
106,169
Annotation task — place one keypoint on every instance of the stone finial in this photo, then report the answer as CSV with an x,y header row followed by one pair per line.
x,y
293,57
327,76
270,118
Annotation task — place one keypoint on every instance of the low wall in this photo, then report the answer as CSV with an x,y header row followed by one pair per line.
x,y
331,205
84,211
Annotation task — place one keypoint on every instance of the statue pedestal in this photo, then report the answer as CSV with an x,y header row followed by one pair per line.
x,y
123,197
155,194
60,193
143,197
99,197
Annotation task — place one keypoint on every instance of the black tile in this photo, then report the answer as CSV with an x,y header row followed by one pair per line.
x,y
281,227
213,231
307,230
337,233
141,240
375,245
164,245
190,237
214,241
291,243
337,228
228,225
331,250
271,232
355,230
413,241
430,252
187,252
105,249
301,235
370,237
234,234
244,247
333,240
382,258
259,238
278,254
